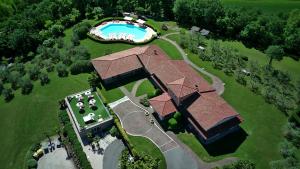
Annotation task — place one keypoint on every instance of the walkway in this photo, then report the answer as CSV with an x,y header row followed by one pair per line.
x,y
217,83
112,154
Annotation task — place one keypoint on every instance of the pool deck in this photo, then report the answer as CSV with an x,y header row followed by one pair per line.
x,y
96,32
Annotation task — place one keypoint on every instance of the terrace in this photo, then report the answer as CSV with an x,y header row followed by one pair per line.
x,y
87,109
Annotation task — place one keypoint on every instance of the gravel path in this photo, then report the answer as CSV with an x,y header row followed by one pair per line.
x,y
217,83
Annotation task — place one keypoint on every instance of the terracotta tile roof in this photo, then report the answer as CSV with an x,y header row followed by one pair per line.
x,y
192,75
182,87
210,110
119,62
163,104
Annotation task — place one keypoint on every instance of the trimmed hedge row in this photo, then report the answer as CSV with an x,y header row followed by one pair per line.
x,y
95,38
72,139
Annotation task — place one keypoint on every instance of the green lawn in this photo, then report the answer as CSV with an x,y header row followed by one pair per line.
x,y
27,117
267,6
170,49
158,26
112,94
145,88
130,85
100,112
142,144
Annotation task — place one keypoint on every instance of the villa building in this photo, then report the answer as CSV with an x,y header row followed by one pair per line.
x,y
183,88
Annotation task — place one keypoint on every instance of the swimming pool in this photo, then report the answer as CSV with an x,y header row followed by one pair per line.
x,y
123,31
129,29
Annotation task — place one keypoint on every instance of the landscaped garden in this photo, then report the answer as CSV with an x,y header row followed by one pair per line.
x,y
145,88
32,112
87,104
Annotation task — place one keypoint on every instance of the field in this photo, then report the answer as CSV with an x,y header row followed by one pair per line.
x,y
26,118
267,6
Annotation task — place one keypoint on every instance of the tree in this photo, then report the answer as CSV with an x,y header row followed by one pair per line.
x,y
14,79
26,85
81,30
241,164
274,52
62,70
34,72
1,87
182,11
81,66
292,31
7,94
44,79
98,12
57,30
94,80
75,40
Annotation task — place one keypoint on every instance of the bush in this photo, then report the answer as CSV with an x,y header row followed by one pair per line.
x,y
68,131
81,66
34,72
1,87
26,86
173,124
14,78
164,27
81,30
144,101
44,79
7,94
32,164
75,40
114,131
62,70
177,116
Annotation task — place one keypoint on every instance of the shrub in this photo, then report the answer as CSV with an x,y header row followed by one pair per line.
x,y
14,78
173,124
44,79
26,86
81,30
75,40
164,27
57,30
34,72
114,131
32,164
81,66
1,87
49,42
7,94
144,101
177,116
62,70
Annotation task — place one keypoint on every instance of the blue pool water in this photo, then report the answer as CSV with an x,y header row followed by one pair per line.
x,y
139,33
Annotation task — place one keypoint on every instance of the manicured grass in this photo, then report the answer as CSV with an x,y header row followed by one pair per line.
x,y
267,6
112,95
25,119
158,26
167,47
100,112
145,88
142,144
130,85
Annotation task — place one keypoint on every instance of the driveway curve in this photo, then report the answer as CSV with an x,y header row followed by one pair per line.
x,y
112,154
217,82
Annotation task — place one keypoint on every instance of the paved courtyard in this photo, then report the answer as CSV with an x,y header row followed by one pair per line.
x,y
135,122
56,159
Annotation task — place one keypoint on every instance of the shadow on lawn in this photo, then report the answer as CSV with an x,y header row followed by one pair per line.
x,y
228,144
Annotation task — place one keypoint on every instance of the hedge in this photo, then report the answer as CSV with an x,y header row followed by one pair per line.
x,y
70,134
